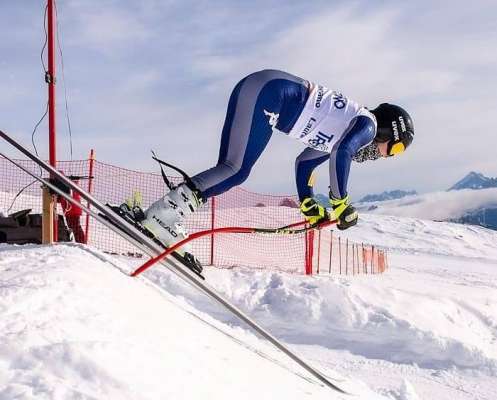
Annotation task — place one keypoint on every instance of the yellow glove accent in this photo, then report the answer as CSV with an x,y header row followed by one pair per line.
x,y
313,211
339,205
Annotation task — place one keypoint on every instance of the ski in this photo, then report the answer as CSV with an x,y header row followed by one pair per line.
x,y
187,259
137,238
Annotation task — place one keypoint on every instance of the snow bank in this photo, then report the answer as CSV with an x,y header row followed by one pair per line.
x,y
436,306
74,327
377,317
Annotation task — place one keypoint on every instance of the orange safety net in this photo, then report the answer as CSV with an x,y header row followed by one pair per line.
x,y
298,253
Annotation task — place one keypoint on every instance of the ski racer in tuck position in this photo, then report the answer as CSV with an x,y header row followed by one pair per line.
x,y
333,127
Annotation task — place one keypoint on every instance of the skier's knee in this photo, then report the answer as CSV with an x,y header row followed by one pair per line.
x,y
241,176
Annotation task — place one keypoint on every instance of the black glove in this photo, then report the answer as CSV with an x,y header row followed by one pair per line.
x,y
345,213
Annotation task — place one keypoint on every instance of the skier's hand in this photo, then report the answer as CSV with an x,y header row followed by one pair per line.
x,y
345,213
313,211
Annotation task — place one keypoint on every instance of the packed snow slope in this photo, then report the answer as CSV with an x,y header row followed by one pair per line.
x,y
73,326
430,319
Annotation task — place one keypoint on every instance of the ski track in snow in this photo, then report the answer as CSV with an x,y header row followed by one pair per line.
x,y
425,329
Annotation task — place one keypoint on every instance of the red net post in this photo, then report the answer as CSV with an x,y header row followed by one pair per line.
x,y
319,250
50,79
347,257
353,259
371,253
310,252
364,261
331,251
213,226
91,162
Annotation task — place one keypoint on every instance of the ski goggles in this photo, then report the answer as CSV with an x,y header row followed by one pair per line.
x,y
399,146
395,148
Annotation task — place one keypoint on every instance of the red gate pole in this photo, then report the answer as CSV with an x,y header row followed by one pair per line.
x,y
50,79
309,253
90,188
331,251
213,223
319,249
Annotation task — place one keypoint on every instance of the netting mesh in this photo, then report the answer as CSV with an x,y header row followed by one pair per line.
x,y
299,253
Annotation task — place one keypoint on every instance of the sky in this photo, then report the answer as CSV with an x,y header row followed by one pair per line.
x,y
150,74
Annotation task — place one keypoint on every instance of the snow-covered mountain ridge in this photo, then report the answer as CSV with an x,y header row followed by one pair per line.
x,y
475,180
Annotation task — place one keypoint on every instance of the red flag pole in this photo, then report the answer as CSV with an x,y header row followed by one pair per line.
x,y
50,79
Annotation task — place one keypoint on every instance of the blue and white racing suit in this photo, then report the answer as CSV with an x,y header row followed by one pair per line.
x,y
332,126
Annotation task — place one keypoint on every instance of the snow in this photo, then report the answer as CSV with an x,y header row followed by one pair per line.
x,y
73,326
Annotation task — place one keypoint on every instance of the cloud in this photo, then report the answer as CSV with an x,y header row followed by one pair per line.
x,y
158,74
105,28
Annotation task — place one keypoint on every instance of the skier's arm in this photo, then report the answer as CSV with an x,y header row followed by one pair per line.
x,y
361,133
305,164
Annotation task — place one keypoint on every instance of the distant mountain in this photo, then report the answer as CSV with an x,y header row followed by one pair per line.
x,y
391,195
486,217
475,180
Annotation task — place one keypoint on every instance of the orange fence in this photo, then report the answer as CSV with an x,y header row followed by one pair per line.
x,y
337,256
312,252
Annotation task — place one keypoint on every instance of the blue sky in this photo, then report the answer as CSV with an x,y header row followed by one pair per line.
x,y
153,74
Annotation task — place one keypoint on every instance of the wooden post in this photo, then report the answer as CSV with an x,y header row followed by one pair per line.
x,y
47,225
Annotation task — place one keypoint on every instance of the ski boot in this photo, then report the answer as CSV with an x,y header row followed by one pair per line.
x,y
162,221
164,218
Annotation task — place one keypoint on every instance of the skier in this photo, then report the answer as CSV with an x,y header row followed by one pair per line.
x,y
333,127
